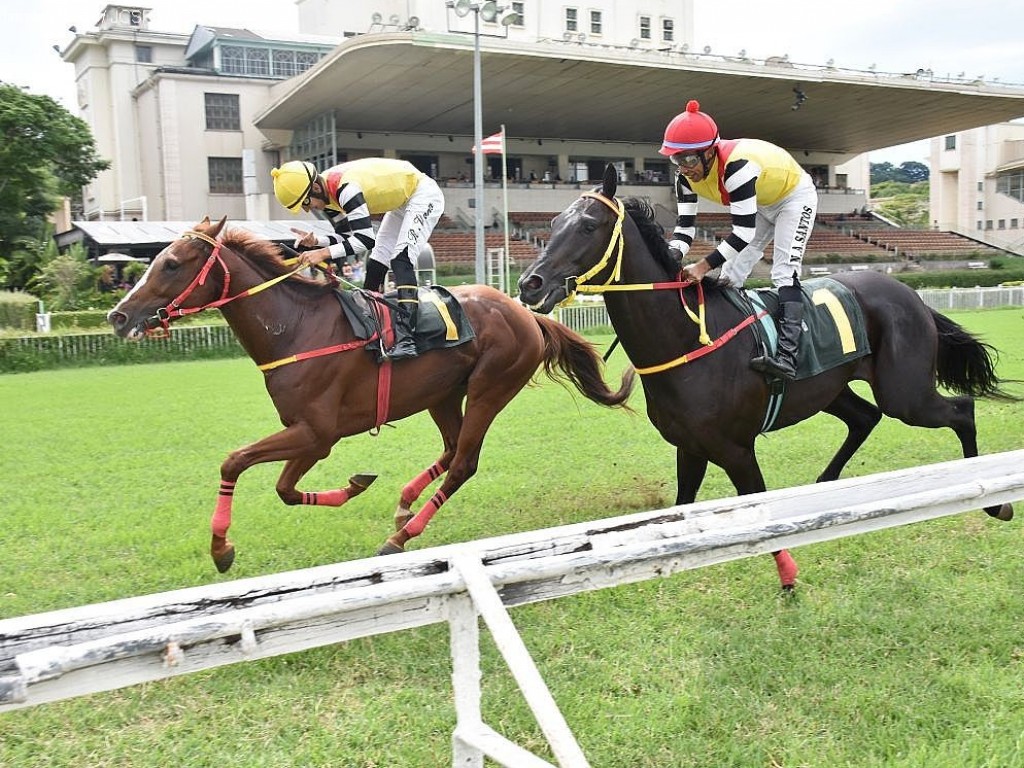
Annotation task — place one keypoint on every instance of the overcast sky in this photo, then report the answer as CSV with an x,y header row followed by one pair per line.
x,y
947,36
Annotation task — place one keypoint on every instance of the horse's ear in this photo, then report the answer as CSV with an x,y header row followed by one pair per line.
x,y
215,230
610,181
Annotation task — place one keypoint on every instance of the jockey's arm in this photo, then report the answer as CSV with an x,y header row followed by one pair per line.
x,y
741,184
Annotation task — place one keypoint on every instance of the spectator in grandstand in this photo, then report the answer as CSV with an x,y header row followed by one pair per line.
x,y
346,195
768,195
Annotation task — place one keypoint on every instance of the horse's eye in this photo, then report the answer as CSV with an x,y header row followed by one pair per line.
x,y
589,225
171,266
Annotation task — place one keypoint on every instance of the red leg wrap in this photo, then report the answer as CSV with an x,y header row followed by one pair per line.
x,y
415,487
787,568
415,526
334,498
222,514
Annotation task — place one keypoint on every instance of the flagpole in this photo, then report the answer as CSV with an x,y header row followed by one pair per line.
x,y
505,274
478,166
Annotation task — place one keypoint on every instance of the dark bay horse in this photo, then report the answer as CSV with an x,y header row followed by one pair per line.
x,y
334,392
713,408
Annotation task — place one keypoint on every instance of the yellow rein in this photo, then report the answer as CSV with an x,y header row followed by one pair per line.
x,y
617,245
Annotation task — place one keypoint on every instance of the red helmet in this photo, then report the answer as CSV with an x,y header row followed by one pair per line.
x,y
691,130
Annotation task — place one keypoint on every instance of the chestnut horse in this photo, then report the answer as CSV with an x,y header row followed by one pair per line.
x,y
325,385
711,407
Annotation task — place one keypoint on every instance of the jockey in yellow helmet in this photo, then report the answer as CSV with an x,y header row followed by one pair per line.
x,y
347,195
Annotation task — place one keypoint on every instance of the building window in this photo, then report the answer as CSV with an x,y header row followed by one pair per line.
x,y
517,8
244,60
645,27
951,142
225,175
1013,224
988,223
981,186
981,205
222,112
284,63
595,22
571,20
144,54
1002,224
980,227
668,30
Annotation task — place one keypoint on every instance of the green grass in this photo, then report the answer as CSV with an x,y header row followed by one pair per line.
x,y
902,649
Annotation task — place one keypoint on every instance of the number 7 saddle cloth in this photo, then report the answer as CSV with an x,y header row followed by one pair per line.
x,y
833,325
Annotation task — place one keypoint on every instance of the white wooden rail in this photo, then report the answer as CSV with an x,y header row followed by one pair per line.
x,y
62,654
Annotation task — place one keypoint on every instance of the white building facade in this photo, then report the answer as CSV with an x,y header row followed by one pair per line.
x,y
977,184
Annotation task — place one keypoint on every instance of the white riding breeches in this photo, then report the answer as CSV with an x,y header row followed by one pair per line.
x,y
790,221
410,225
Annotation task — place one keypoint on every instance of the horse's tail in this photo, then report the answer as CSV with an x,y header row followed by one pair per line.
x,y
568,352
966,365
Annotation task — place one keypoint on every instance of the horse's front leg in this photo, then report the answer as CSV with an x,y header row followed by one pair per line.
x,y
295,469
297,442
745,474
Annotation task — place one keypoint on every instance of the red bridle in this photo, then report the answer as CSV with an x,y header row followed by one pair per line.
x,y
173,310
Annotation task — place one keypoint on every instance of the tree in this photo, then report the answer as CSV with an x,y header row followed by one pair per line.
x,y
882,172
45,153
912,172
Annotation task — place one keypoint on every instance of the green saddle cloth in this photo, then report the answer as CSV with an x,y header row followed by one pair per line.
x,y
834,331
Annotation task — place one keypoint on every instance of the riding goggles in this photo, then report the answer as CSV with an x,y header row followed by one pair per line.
x,y
686,159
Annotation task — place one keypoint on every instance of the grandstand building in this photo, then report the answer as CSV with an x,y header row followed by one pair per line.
x,y
193,122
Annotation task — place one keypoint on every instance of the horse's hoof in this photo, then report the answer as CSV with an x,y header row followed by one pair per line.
x,y
224,559
390,548
1004,512
359,483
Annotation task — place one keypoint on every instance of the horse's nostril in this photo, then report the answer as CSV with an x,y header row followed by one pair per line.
x,y
117,319
531,283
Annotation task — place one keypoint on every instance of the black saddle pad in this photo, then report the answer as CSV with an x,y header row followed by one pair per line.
x,y
440,323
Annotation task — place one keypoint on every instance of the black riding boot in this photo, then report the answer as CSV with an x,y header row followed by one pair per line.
x,y
376,273
783,365
409,306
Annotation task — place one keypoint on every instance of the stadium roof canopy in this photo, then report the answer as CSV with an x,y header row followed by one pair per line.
x,y
422,83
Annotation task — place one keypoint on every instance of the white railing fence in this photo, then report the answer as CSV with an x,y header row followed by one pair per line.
x,y
62,654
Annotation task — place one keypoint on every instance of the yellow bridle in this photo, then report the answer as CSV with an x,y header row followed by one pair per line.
x,y
616,246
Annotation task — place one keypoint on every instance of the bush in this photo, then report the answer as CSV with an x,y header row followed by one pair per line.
x,y
84,319
18,310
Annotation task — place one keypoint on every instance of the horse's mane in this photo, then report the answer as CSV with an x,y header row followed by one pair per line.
x,y
653,235
267,254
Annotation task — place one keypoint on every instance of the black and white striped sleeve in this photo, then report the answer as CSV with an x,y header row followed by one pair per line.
x,y
682,235
741,183
353,231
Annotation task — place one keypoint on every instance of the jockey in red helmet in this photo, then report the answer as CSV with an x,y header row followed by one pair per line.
x,y
769,196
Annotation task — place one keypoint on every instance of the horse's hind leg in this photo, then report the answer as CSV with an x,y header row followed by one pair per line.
x,y
448,418
483,404
860,417
932,410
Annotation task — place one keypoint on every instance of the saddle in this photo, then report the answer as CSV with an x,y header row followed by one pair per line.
x,y
440,323
834,331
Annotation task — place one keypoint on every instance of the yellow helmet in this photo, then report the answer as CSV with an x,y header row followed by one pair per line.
x,y
293,182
